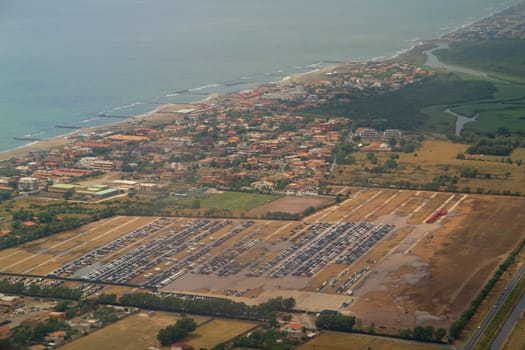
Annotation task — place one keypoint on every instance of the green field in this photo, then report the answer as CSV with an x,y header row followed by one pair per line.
x,y
340,341
230,200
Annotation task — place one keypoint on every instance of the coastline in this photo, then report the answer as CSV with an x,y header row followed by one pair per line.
x,y
68,138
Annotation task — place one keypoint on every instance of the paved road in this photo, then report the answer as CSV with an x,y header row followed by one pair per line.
x,y
474,338
509,325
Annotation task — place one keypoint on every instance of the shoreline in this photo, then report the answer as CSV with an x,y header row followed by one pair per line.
x,y
67,138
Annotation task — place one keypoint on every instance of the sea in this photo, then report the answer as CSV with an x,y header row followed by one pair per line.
x,y
65,62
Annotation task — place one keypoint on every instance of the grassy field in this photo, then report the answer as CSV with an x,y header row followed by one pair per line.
x,y
438,158
506,108
136,332
338,341
231,200
217,331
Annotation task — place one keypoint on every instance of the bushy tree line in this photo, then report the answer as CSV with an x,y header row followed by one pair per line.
x,y
420,333
335,322
38,291
208,306
457,326
177,331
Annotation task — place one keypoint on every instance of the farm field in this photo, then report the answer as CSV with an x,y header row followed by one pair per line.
x,y
437,158
217,331
231,200
292,205
372,255
136,332
337,341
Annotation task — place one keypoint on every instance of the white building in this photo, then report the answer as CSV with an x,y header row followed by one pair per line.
x,y
28,184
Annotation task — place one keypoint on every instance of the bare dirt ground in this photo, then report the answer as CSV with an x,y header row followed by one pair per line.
x,y
437,269
292,205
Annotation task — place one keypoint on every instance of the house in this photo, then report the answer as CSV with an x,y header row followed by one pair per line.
x,y
181,346
5,332
367,134
28,184
55,338
292,328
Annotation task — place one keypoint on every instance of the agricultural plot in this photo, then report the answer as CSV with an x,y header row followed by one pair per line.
x,y
336,341
138,332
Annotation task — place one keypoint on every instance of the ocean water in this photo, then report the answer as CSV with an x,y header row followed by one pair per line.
x,y
62,62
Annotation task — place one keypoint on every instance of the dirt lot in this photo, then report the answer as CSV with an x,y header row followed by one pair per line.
x,y
136,332
292,205
431,275
337,341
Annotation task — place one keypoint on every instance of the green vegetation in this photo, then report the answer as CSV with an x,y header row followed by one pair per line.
x,y
457,326
499,56
403,108
229,201
335,322
268,339
209,306
177,331
37,291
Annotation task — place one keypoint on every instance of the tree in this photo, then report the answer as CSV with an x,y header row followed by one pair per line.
x,y
68,194
440,334
176,332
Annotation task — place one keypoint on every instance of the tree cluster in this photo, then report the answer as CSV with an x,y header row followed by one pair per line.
x,y
177,331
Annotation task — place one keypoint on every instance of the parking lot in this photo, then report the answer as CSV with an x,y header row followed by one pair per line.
x,y
327,253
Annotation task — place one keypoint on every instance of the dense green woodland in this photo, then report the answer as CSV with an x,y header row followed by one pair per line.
x,y
402,108
498,56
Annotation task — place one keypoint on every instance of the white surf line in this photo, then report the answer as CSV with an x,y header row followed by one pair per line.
x,y
359,206
18,251
78,246
381,206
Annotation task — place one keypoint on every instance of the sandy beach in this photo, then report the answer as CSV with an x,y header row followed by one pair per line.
x,y
159,115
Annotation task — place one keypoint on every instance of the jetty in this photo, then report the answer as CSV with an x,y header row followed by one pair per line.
x,y
67,127
23,138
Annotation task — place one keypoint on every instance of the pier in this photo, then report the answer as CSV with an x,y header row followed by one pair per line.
x,y
23,138
67,127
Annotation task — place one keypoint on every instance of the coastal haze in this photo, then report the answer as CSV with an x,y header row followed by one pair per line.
x,y
63,62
